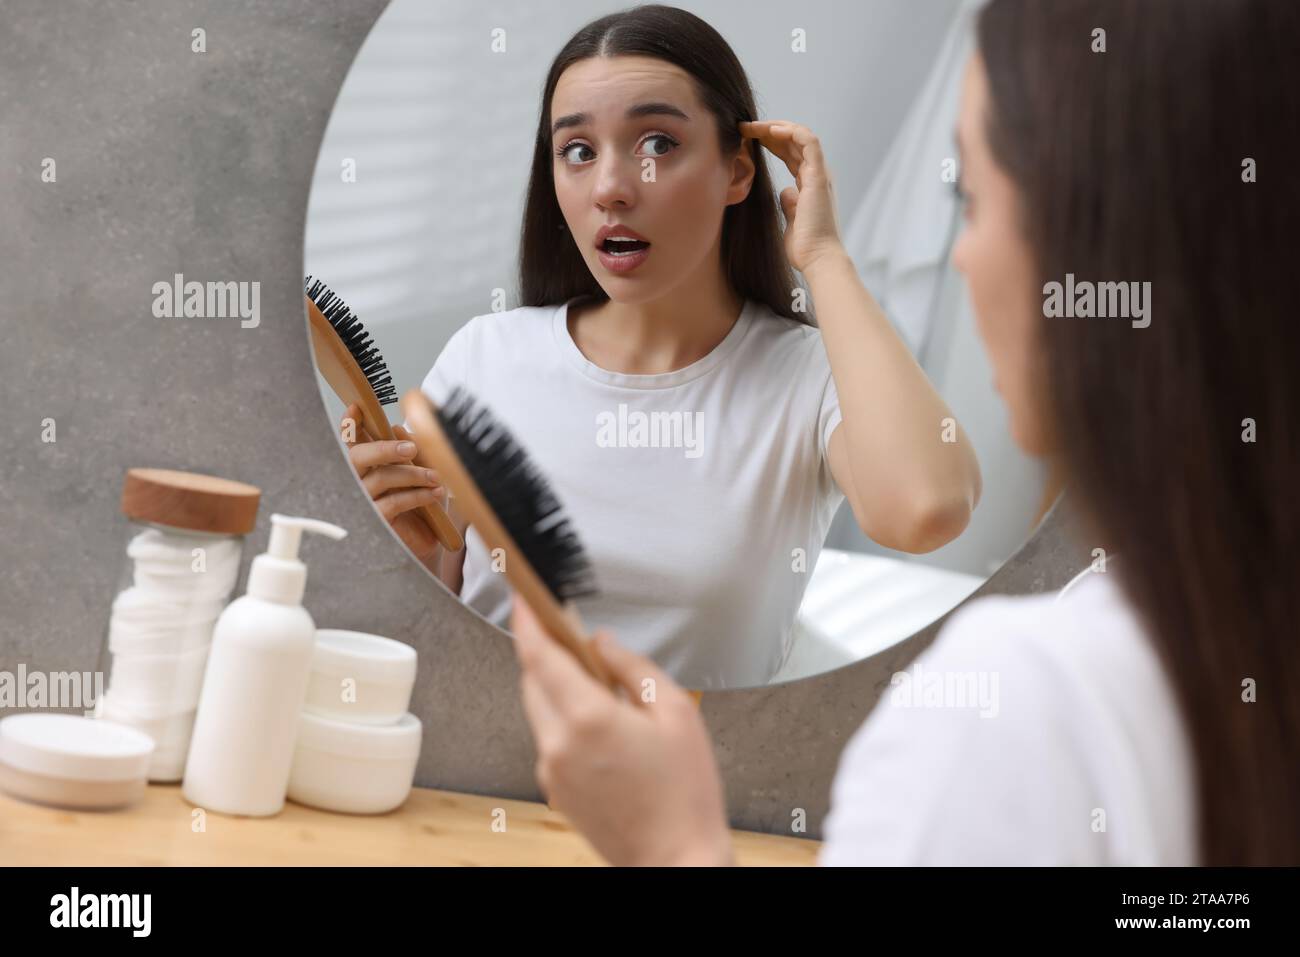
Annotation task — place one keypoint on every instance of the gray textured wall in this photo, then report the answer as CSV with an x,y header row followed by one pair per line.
x,y
171,161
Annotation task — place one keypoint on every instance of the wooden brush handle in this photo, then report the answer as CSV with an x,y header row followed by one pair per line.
x,y
350,384
560,622
435,516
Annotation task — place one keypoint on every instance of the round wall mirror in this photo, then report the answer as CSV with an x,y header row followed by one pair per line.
x,y
699,482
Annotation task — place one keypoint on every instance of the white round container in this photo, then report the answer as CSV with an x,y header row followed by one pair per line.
x,y
360,678
354,768
73,762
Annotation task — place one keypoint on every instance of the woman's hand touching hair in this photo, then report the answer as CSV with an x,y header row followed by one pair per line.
x,y
811,231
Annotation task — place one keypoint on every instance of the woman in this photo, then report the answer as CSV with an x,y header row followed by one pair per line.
x,y
1150,715
665,376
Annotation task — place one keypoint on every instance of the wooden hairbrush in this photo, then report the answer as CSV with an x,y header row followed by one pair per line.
x,y
352,365
508,501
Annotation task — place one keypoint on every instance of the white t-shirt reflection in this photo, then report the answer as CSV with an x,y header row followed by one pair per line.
x,y
702,496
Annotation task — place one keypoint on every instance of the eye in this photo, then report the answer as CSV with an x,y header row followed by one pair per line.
x,y
669,144
565,151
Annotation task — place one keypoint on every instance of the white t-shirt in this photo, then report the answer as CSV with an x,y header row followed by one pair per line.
x,y
1083,759
702,496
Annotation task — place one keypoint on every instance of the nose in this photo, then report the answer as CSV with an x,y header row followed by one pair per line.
x,y
959,251
615,183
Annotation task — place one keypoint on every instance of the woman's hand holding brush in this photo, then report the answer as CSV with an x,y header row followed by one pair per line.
x,y
395,485
635,772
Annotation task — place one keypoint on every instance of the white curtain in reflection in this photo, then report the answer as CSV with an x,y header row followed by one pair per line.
x,y
900,235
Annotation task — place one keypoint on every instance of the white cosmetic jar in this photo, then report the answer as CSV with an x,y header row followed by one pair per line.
x,y
73,762
359,678
354,768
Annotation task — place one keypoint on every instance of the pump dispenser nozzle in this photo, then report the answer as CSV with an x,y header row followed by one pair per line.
x,y
277,574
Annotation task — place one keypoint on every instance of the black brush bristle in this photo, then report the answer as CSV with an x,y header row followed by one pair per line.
x,y
355,337
519,495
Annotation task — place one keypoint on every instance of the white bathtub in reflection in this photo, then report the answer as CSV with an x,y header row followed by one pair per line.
x,y
857,605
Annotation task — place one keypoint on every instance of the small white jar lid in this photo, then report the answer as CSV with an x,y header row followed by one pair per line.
x,y
75,748
355,654
374,741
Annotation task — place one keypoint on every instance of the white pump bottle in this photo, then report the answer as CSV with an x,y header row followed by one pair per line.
x,y
255,683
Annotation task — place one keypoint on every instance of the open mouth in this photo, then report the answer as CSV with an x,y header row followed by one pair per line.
x,y
623,247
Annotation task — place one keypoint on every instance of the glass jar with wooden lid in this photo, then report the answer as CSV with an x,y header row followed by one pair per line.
x,y
184,549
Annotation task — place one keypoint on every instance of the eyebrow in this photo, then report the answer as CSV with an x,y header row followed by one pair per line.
x,y
633,112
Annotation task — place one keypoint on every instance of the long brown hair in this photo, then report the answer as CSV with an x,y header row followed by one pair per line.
x,y
1136,164
552,270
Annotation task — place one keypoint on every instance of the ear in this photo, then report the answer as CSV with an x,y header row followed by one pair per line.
x,y
742,173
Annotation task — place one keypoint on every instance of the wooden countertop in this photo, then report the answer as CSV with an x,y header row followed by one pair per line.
x,y
432,827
